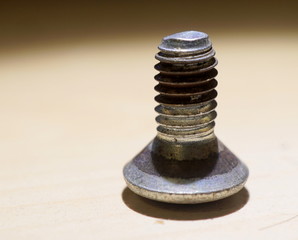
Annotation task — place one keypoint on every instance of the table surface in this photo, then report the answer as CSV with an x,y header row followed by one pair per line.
x,y
73,115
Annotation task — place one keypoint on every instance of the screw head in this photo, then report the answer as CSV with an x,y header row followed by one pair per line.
x,y
226,178
185,43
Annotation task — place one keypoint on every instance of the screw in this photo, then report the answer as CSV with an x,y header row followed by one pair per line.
x,y
186,163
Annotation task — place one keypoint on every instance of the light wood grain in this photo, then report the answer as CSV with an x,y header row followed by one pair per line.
x,y
72,116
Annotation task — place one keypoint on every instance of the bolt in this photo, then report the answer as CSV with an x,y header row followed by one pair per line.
x,y
186,163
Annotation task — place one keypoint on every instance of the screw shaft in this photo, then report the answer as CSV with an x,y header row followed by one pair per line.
x,y
186,97
186,86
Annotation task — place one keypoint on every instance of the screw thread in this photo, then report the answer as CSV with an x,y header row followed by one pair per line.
x,y
186,87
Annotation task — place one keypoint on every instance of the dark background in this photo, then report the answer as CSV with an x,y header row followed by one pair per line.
x,y
24,23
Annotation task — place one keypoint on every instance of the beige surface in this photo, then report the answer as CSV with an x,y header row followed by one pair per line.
x,y
72,116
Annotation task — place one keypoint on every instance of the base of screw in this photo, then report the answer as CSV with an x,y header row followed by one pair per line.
x,y
227,176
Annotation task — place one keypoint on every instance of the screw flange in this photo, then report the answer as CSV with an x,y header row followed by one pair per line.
x,y
186,163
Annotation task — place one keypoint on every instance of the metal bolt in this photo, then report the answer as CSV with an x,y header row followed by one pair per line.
x,y
186,163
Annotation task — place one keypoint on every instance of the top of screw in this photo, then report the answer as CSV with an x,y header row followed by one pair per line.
x,y
188,42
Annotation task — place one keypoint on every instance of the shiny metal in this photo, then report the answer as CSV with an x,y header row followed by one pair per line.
x,y
186,163
214,181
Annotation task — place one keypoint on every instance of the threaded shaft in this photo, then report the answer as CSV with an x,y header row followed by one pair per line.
x,y
186,87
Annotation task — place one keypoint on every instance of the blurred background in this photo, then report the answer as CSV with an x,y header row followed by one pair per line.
x,y
29,23
76,102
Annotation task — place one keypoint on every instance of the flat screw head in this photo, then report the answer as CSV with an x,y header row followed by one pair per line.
x,y
185,42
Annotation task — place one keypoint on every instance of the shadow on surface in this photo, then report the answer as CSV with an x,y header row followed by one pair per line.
x,y
201,211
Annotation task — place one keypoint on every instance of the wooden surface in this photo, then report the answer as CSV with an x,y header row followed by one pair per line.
x,y
73,115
